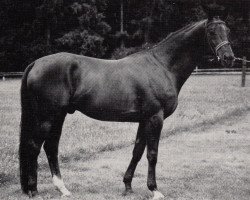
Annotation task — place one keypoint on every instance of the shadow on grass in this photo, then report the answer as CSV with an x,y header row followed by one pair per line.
x,y
86,155
6,179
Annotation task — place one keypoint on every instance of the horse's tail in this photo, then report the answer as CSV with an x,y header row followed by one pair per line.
x,y
26,125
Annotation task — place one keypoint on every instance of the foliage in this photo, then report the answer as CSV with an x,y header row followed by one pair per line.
x,y
123,52
32,29
88,35
83,43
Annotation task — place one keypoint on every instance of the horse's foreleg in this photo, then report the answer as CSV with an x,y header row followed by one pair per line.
x,y
51,149
140,144
153,129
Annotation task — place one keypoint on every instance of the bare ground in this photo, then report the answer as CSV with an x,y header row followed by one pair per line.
x,y
211,162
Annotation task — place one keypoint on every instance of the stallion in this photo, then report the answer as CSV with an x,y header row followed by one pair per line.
x,y
142,88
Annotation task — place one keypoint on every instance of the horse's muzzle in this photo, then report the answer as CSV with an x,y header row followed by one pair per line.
x,y
227,60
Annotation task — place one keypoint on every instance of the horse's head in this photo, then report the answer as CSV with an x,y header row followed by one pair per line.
x,y
217,34
217,38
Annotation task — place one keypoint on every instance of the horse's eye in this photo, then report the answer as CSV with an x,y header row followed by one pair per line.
x,y
212,33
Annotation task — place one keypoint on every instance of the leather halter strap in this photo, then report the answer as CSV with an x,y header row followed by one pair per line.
x,y
217,48
221,45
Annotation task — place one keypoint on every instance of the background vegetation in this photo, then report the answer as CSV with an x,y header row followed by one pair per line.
x,y
31,29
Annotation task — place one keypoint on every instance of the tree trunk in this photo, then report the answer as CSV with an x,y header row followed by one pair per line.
x,y
48,34
122,24
150,11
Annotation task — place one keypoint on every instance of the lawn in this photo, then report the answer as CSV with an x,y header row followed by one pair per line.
x,y
204,100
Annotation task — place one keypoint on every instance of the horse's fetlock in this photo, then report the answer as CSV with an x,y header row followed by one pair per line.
x,y
127,179
32,193
151,185
32,185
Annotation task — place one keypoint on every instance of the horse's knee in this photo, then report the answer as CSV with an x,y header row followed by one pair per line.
x,y
33,148
152,157
138,151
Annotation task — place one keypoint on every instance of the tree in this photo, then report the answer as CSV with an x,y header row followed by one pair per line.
x,y
88,35
16,17
32,29
48,14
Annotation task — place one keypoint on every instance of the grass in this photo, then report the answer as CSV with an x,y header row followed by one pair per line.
x,y
200,164
204,100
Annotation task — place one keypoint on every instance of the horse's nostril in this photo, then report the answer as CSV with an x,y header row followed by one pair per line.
x,y
228,57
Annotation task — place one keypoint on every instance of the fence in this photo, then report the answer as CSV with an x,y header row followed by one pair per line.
x,y
220,71
5,75
244,70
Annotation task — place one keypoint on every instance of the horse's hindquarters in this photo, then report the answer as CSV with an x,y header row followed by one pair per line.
x,y
50,84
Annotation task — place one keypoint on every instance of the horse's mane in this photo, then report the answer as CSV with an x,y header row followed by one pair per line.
x,y
185,28
170,36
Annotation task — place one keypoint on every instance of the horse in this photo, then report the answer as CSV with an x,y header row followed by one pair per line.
x,y
142,88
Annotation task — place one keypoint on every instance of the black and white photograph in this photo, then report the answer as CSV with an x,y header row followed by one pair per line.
x,y
125,99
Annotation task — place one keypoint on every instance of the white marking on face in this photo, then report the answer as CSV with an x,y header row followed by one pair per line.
x,y
157,195
59,184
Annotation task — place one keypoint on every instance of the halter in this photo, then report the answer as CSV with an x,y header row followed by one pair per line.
x,y
220,44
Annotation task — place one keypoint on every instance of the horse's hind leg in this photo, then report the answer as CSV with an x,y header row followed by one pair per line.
x,y
29,151
31,140
51,149
139,148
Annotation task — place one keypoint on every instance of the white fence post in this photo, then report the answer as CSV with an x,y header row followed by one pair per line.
x,y
196,69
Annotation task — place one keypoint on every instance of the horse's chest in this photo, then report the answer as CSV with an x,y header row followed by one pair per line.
x,y
169,104
167,97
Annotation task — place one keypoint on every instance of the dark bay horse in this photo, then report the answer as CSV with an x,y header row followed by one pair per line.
x,y
142,88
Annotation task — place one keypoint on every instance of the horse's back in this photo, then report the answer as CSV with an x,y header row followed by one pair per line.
x,y
59,78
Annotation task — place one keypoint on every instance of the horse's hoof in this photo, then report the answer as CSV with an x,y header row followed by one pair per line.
x,y
157,195
32,193
127,192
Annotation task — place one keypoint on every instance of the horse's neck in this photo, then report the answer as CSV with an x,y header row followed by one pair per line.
x,y
181,52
